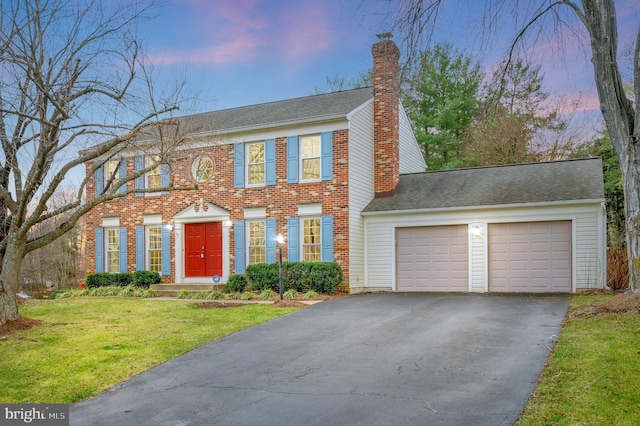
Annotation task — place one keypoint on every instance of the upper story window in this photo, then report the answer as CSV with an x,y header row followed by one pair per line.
x,y
110,171
153,178
310,157
255,163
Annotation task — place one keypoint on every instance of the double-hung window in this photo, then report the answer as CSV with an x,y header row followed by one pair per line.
x,y
154,248
257,241
112,250
255,163
153,178
310,157
110,172
311,240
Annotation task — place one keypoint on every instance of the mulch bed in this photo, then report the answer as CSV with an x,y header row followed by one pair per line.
x,y
621,303
22,323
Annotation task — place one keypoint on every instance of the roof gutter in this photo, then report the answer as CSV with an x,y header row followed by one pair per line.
x,y
485,207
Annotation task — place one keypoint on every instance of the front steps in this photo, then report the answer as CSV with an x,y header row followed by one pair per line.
x,y
172,290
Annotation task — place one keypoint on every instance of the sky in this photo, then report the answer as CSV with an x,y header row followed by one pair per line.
x,y
243,52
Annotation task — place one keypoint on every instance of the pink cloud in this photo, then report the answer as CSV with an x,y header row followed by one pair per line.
x,y
227,33
308,32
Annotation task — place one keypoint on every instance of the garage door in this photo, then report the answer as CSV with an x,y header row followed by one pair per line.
x,y
530,257
432,259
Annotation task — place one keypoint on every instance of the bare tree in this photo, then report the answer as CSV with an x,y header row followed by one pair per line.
x,y
413,20
73,74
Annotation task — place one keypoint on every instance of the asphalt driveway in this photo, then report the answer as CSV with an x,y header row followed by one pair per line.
x,y
387,359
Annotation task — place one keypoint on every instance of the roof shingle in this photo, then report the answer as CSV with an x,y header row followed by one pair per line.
x,y
556,181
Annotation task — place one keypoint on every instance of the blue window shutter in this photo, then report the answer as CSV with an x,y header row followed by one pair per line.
x,y
123,250
99,250
238,165
139,165
165,177
98,180
327,155
327,238
238,235
293,240
166,251
270,235
140,248
122,173
270,161
292,159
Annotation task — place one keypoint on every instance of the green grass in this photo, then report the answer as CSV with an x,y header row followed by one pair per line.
x,y
593,376
89,344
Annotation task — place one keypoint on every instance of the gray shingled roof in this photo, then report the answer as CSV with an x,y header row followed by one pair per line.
x,y
490,186
272,114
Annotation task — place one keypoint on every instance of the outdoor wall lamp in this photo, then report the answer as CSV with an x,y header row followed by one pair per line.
x,y
280,241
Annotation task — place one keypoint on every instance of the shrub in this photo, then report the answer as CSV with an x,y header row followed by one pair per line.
x,y
184,294
214,295
60,293
617,269
262,276
247,295
267,294
102,279
236,283
290,294
145,278
322,277
311,294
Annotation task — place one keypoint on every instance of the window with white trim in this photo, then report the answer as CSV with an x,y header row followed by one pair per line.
x,y
110,172
255,163
154,248
153,178
257,241
310,158
112,250
311,240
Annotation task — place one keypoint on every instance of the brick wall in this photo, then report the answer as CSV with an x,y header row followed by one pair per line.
x,y
280,200
386,119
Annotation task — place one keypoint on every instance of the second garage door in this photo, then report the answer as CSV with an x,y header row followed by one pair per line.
x,y
530,257
433,258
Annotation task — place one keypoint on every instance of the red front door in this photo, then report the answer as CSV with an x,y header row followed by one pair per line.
x,y
203,249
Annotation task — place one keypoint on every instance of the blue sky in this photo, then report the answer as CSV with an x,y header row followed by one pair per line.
x,y
242,52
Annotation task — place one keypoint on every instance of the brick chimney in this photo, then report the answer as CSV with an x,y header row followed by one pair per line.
x,y
386,133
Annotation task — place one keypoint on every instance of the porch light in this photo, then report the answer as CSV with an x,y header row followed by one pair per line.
x,y
227,224
280,241
476,230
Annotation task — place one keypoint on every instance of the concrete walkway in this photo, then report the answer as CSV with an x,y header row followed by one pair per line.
x,y
392,359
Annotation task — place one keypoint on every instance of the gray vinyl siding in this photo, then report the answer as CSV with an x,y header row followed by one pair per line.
x,y
360,187
411,159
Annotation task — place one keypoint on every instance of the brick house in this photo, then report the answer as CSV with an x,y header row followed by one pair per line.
x,y
341,177
304,168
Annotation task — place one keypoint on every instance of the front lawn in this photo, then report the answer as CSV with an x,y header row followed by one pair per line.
x,y
593,376
86,345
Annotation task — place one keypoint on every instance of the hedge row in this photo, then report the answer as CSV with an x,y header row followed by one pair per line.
x,y
321,277
137,278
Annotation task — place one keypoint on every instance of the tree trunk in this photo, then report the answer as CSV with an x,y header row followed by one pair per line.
x,y
9,278
619,117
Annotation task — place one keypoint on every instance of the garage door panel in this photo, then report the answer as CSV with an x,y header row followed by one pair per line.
x,y
438,259
538,258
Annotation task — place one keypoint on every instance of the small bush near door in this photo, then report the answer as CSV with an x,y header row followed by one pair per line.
x,y
137,278
236,284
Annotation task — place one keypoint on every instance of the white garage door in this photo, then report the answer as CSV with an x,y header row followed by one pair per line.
x,y
530,257
432,258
